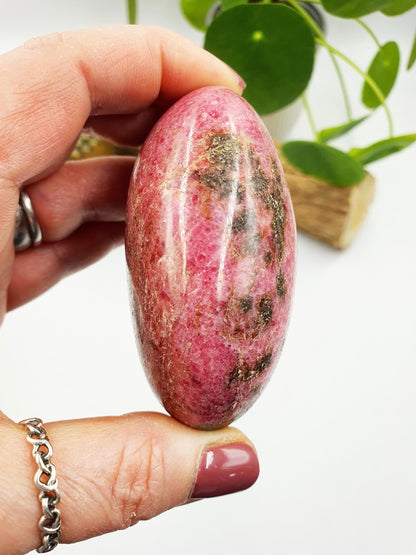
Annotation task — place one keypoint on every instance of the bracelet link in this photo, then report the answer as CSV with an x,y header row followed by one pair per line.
x,y
45,479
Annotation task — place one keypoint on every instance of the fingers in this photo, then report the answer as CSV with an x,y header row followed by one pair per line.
x,y
81,191
131,129
113,472
92,190
9,197
51,85
36,270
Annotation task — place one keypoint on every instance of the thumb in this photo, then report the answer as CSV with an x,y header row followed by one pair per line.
x,y
115,471
9,198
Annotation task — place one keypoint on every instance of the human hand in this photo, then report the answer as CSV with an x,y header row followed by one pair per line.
x,y
115,81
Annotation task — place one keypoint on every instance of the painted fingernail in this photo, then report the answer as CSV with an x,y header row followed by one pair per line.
x,y
241,83
226,469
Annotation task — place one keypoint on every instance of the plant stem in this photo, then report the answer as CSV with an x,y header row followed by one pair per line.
x,y
366,77
320,39
321,36
369,31
308,18
310,117
343,86
132,11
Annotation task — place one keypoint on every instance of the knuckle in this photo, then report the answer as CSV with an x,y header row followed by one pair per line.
x,y
8,185
53,206
138,482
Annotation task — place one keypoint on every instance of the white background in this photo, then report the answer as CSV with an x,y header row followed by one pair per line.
x,y
335,429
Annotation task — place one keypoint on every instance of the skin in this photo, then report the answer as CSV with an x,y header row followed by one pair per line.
x,y
51,89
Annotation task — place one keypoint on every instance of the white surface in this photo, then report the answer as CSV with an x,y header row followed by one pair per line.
x,y
335,429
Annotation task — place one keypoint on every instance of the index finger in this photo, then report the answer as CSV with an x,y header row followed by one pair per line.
x,y
52,84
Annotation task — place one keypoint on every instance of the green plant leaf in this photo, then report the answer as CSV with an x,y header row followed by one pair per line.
x,y
397,7
324,162
227,4
381,149
412,57
353,8
383,70
270,46
196,12
334,132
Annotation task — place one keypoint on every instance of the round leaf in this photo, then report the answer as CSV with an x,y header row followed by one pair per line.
x,y
397,7
412,57
334,132
383,70
196,12
382,149
270,46
324,162
353,8
227,4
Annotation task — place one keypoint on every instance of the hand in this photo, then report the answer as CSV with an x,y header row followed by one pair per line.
x,y
114,81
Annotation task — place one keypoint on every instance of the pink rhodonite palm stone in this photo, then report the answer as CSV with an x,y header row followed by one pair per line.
x,y
210,247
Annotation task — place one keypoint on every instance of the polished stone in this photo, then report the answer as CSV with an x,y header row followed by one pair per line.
x,y
211,254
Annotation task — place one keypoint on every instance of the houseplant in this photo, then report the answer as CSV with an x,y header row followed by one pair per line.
x,y
277,67
272,44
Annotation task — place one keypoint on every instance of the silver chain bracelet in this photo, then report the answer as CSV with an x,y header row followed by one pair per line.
x,y
46,481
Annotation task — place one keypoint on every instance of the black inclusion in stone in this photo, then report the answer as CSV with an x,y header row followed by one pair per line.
x,y
241,222
218,182
265,309
244,372
246,303
259,182
224,151
263,363
281,285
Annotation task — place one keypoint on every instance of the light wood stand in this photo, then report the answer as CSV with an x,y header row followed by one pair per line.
x,y
331,214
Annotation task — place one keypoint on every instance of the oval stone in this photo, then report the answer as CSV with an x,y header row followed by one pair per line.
x,y
210,245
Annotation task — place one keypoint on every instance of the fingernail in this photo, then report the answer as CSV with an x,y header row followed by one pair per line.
x,y
241,83
226,469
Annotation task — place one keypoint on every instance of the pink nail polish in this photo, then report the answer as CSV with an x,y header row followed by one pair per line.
x,y
226,469
241,83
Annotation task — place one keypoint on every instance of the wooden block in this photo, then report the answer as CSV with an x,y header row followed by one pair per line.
x,y
331,214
